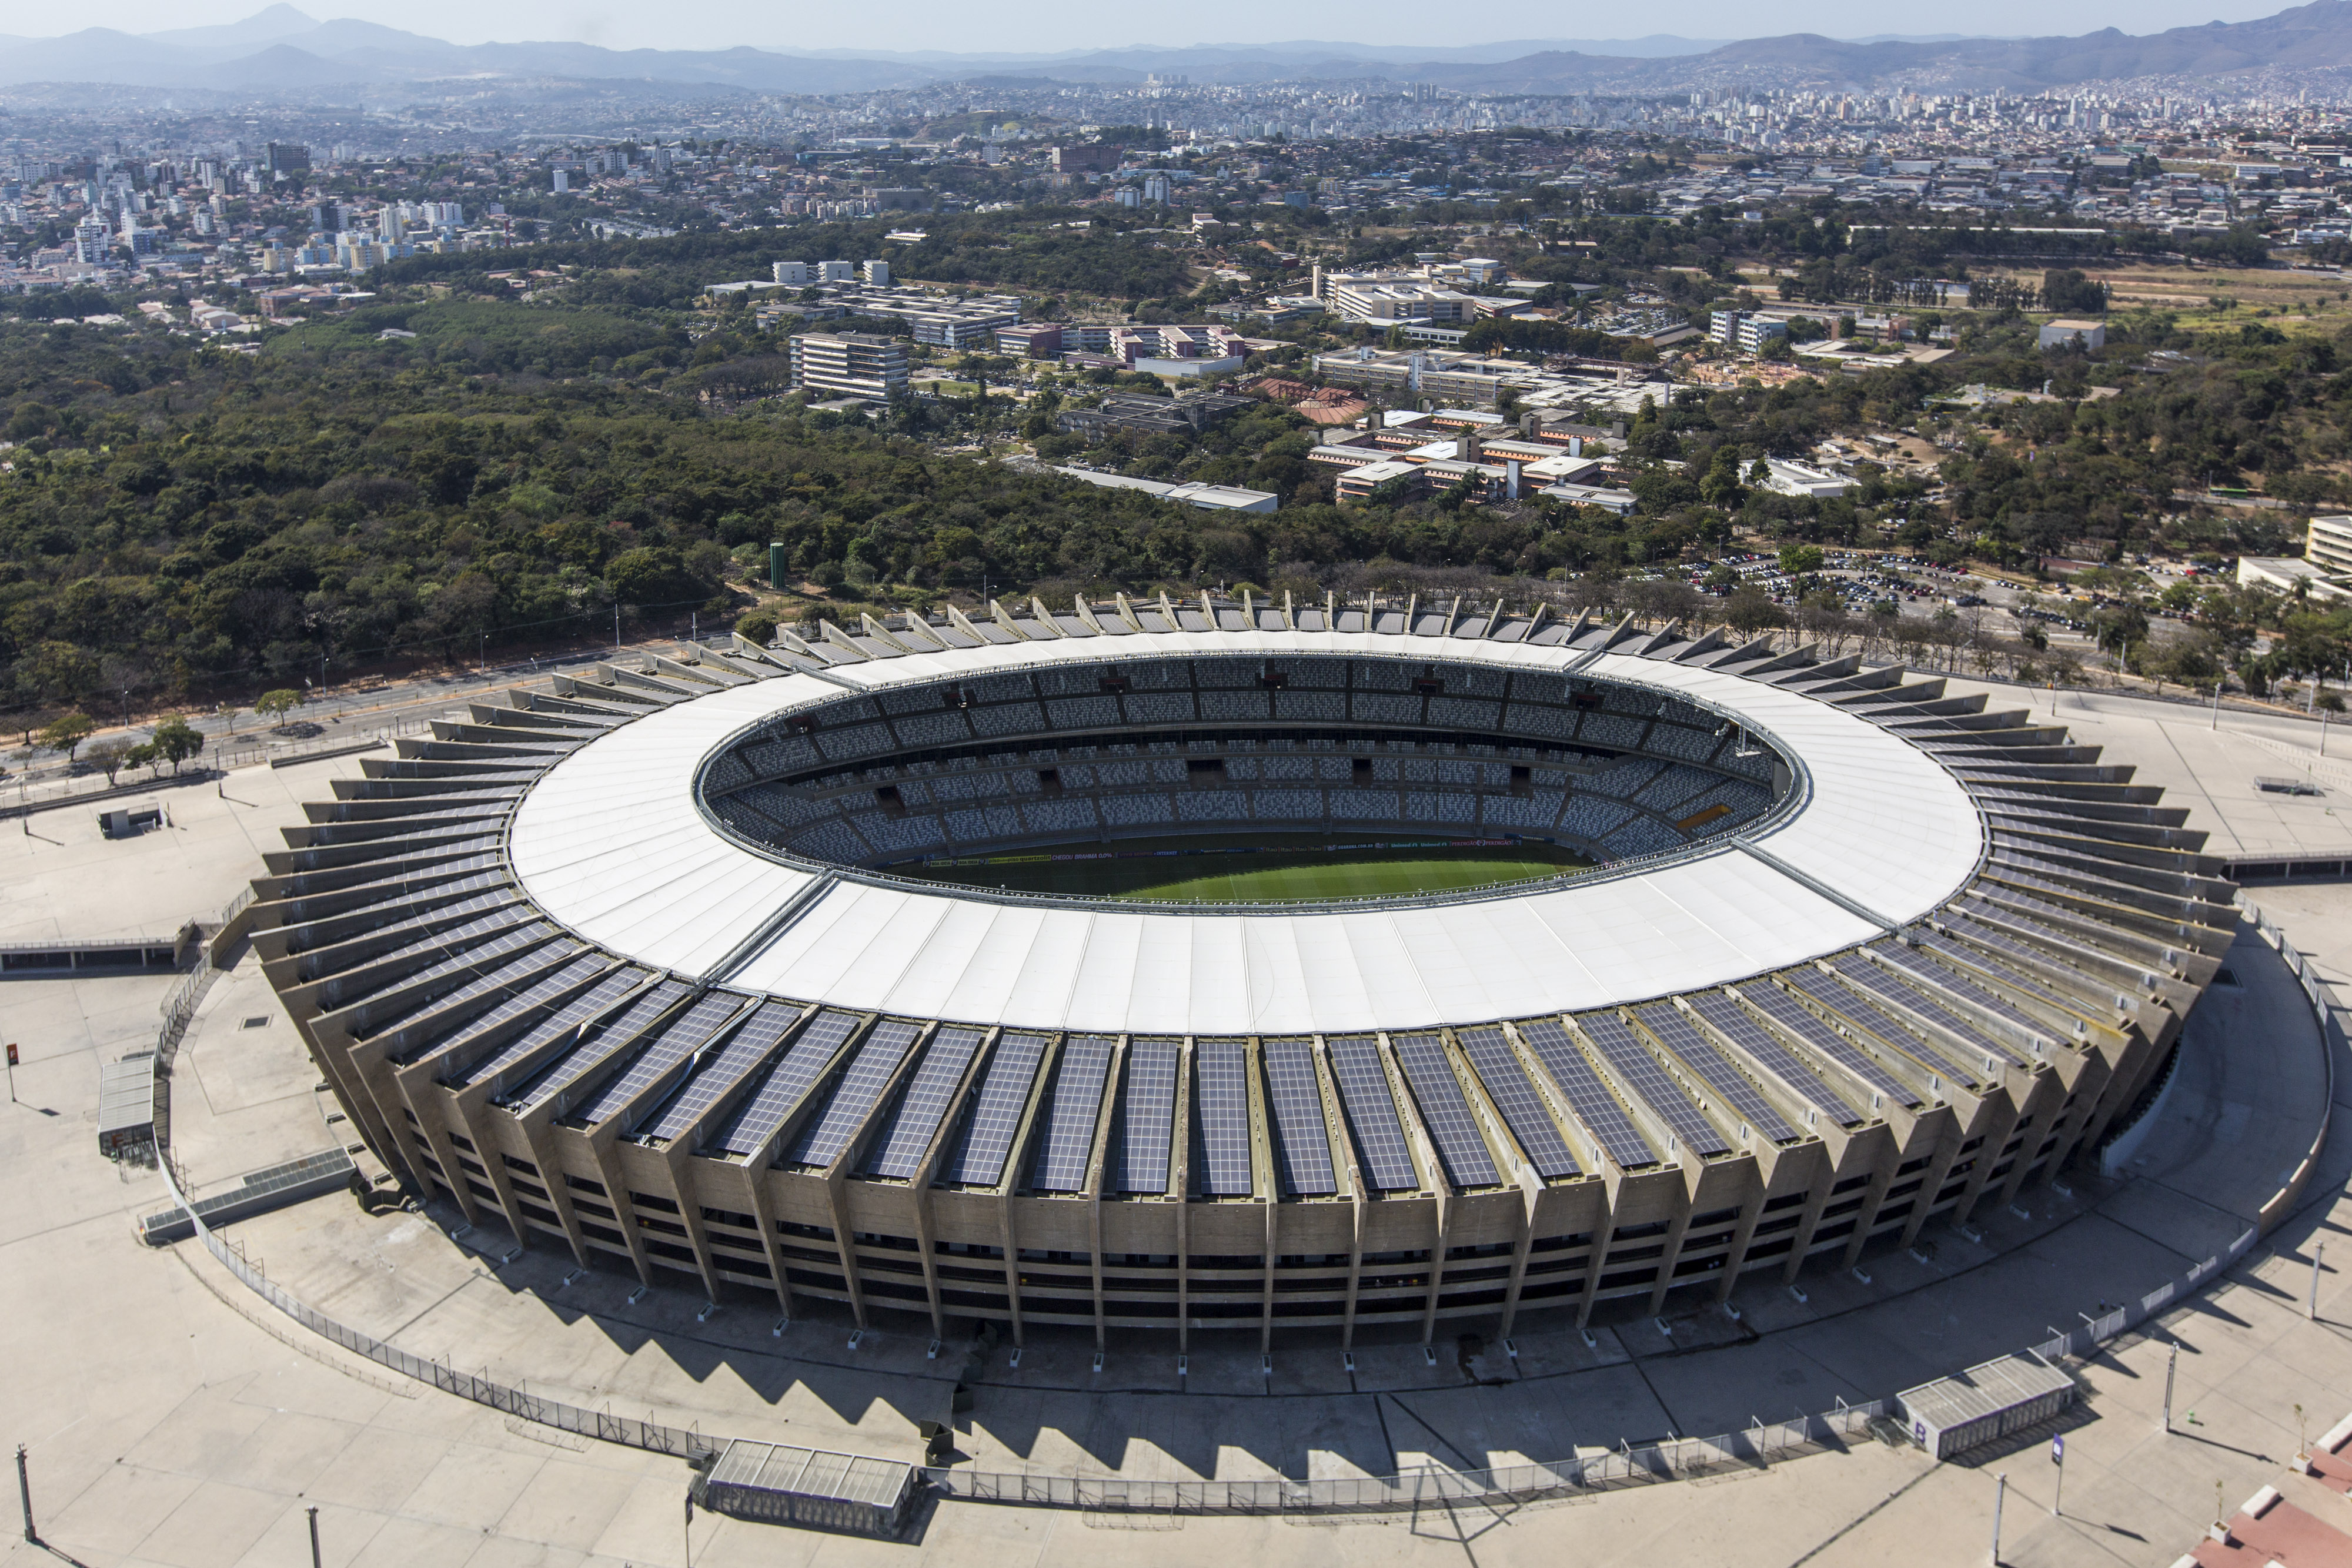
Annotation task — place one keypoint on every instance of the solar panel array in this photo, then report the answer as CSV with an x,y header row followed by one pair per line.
x,y
1371,1113
1444,1111
1587,1095
482,986
1776,1005
574,1015
1760,1043
1891,1030
1220,1116
861,1090
681,1040
996,1113
1070,1118
1677,1034
1955,954
1640,1071
1860,973
594,1049
714,1073
898,1150
539,994
1923,973
788,1079
1523,1109
1302,1142
1148,1134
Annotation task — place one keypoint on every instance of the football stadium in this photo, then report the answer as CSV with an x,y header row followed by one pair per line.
x,y
1221,964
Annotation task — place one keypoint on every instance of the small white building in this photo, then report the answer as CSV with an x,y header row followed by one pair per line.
x,y
2059,333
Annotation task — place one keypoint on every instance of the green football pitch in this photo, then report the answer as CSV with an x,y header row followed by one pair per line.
x,y
1272,868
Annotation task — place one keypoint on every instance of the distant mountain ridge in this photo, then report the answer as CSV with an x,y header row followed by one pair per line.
x,y
282,46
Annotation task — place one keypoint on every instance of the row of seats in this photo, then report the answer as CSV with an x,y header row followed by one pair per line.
x,y
862,829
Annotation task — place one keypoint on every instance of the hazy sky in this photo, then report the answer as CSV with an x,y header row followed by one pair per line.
x,y
1053,24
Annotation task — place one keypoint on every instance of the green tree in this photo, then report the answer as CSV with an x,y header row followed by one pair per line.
x,y
758,627
66,732
274,706
175,740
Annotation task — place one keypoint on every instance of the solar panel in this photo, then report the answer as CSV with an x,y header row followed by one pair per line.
x,y
898,1150
1148,1114
714,1073
451,939
469,961
2032,960
478,995
1522,1108
1070,1118
1444,1111
684,1037
996,1114
1799,1024
1371,1112
861,1087
1954,956
438,926
574,1015
1860,973
1587,1095
1891,1030
1677,1034
1302,1142
539,994
1924,973
1220,1116
1640,1071
788,1079
598,1046
1760,1043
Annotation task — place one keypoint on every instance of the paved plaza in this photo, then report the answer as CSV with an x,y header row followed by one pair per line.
x,y
170,1417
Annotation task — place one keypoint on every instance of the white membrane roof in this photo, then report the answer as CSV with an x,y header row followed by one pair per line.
x,y
611,844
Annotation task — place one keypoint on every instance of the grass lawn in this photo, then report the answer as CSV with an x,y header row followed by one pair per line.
x,y
1273,867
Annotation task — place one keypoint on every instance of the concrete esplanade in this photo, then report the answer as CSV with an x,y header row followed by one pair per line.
x,y
628,965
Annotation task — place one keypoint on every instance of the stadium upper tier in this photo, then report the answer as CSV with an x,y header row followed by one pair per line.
x,y
626,964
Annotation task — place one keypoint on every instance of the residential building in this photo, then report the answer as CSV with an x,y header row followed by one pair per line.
x,y
849,364
876,273
284,160
793,273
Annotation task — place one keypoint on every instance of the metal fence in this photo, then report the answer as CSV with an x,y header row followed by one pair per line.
x,y
602,1425
1675,1459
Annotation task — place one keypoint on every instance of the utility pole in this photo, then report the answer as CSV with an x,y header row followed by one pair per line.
x,y
616,625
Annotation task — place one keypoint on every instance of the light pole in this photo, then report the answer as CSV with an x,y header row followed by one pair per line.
x,y
2311,1308
2171,1366
2000,1492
